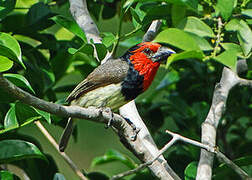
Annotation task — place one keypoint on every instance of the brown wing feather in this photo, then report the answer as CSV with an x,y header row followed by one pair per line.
x,y
113,71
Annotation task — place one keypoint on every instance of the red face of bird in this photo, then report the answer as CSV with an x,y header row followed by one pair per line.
x,y
153,51
146,58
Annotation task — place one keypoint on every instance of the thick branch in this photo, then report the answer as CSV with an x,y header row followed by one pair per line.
x,y
81,15
228,80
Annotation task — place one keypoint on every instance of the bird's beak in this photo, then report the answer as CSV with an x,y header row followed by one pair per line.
x,y
162,54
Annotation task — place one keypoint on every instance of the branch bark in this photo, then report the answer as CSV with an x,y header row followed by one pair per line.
x,y
209,128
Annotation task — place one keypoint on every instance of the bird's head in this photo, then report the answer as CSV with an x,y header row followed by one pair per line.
x,y
152,51
146,58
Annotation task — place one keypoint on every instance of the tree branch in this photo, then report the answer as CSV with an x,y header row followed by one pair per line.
x,y
177,137
228,80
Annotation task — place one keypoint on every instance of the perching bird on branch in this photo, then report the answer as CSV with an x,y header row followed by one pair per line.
x,y
117,81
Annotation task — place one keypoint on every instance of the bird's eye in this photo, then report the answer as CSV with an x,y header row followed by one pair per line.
x,y
147,51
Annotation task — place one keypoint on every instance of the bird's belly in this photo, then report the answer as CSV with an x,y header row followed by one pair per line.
x,y
107,96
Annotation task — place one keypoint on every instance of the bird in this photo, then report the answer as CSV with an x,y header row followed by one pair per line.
x,y
117,81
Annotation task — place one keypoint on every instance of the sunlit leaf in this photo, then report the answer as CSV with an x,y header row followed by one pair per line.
x,y
70,25
177,38
10,120
6,175
10,48
247,12
195,25
113,155
228,58
191,170
19,81
5,64
225,7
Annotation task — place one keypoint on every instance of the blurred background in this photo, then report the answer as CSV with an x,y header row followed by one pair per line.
x,y
56,59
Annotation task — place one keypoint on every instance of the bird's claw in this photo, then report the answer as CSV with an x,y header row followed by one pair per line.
x,y
111,117
135,129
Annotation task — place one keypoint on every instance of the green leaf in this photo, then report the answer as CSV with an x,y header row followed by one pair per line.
x,y
101,51
19,81
245,37
244,34
228,58
234,47
191,170
233,25
45,115
225,7
113,155
6,6
201,42
70,25
155,12
136,19
192,4
108,39
58,176
196,26
197,54
177,14
10,120
10,48
14,150
38,17
5,64
25,114
6,175
177,38
247,12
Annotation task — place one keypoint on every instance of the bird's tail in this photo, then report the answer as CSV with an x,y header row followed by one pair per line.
x,y
66,135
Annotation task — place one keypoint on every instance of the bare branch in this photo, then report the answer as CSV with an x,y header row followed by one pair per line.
x,y
245,82
152,31
63,154
215,150
228,80
144,165
81,15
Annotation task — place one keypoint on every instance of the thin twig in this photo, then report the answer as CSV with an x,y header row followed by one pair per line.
x,y
63,154
218,37
176,137
144,165
215,150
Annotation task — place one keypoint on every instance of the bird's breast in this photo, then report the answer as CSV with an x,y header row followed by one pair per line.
x,y
106,96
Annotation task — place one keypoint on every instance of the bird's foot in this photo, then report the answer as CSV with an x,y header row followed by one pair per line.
x,y
111,116
135,129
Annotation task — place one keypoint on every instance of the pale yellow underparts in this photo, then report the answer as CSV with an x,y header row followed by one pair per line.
x,y
107,96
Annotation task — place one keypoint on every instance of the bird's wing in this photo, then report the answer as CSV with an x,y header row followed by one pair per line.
x,y
113,71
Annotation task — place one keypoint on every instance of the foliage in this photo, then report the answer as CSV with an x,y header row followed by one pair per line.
x,y
42,48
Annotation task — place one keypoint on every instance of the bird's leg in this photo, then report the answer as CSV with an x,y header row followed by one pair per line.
x,y
135,129
111,116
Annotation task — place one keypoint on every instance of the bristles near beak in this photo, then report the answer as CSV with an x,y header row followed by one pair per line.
x,y
162,54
